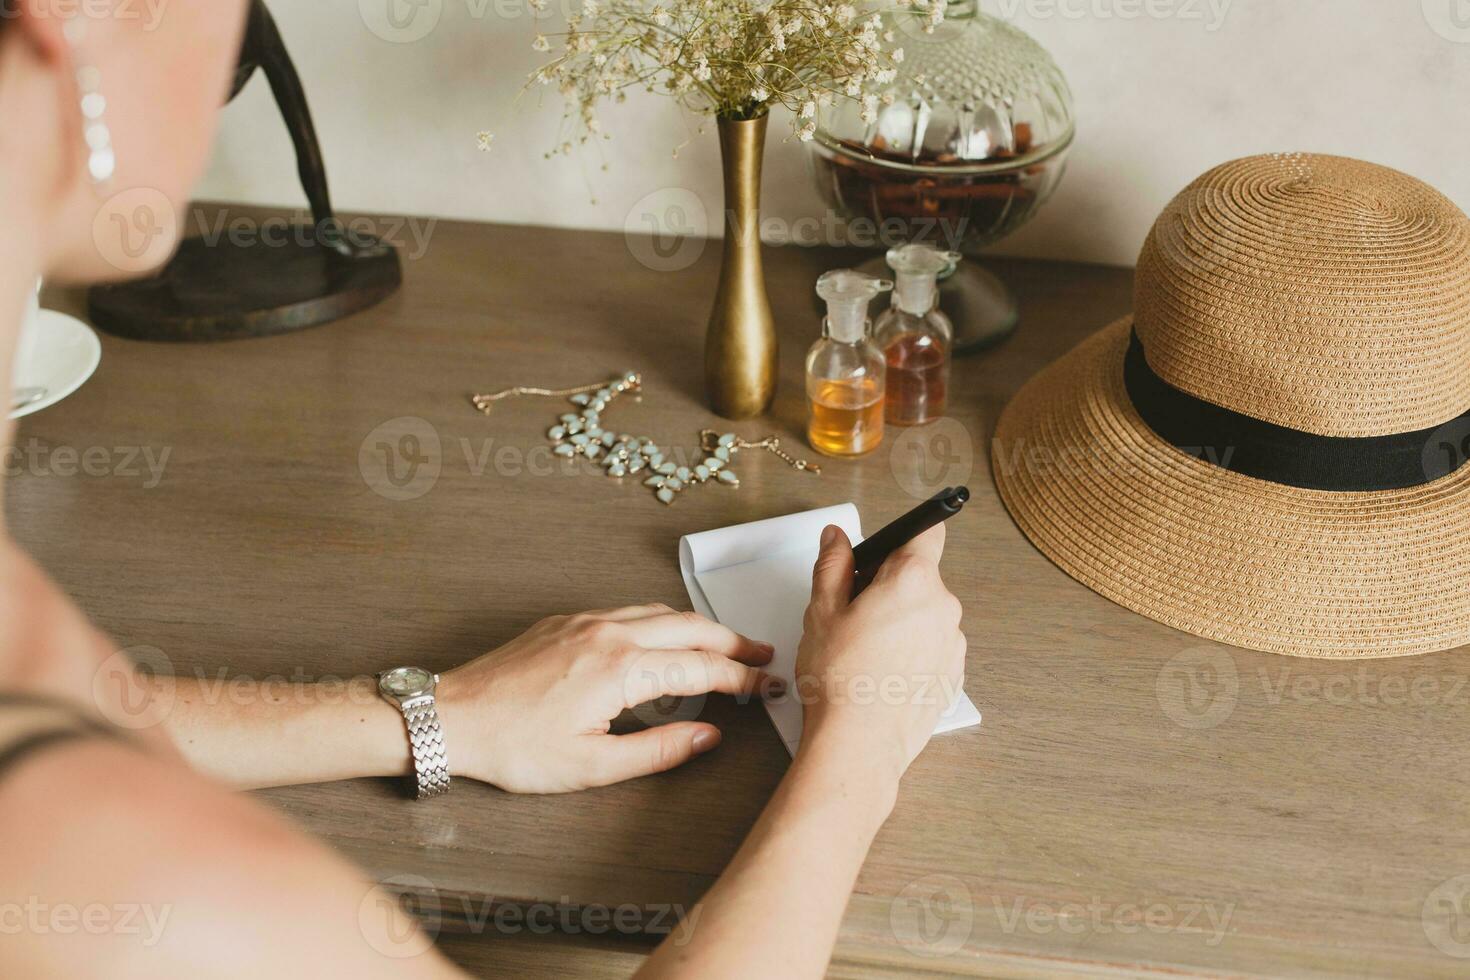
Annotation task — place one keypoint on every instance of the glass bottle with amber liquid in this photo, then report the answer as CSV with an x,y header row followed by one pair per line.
x,y
844,371
915,336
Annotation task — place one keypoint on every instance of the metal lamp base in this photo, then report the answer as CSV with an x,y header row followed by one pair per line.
x,y
224,292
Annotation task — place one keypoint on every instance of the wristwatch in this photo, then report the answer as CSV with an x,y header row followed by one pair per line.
x,y
412,690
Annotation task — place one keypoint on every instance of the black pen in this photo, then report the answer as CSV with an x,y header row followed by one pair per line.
x,y
873,551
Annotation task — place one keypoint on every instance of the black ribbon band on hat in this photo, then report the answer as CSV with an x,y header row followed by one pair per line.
x,y
1267,451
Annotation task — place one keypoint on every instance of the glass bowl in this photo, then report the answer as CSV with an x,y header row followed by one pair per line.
x,y
973,138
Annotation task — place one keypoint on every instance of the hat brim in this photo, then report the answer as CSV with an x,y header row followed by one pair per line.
x,y
1308,573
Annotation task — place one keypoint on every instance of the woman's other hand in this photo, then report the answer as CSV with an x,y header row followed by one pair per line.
x,y
534,715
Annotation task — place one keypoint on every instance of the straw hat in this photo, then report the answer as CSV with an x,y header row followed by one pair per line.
x,y
1268,451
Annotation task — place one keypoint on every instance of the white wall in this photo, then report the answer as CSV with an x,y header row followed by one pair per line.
x,y
1164,90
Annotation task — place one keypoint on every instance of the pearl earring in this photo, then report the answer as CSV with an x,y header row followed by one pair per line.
x,y
101,158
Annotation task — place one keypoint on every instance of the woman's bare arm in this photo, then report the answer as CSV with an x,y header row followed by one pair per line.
x,y
257,734
119,860
532,716
776,910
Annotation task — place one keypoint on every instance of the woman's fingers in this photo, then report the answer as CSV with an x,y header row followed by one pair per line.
x,y
690,631
614,758
832,574
916,563
689,673
929,545
657,626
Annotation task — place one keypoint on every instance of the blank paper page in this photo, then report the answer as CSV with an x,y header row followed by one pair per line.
x,y
757,579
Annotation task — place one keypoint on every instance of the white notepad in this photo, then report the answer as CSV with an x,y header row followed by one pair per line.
x,y
757,579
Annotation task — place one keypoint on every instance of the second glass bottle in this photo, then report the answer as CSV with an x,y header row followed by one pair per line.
x,y
915,336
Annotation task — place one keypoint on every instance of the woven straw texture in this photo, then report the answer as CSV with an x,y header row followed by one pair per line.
x,y
1347,349
1317,292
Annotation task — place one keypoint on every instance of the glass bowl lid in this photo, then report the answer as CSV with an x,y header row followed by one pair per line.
x,y
976,95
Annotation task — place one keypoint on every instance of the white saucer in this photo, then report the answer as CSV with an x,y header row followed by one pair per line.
x,y
65,354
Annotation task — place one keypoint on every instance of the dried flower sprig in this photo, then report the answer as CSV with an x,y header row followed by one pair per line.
x,y
729,58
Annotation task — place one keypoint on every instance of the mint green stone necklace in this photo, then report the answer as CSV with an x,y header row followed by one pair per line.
x,y
580,433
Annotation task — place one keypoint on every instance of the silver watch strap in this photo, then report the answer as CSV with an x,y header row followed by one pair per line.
x,y
427,737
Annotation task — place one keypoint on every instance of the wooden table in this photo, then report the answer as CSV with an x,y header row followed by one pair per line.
x,y
1137,801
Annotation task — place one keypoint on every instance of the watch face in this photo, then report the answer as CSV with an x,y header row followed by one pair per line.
x,y
407,681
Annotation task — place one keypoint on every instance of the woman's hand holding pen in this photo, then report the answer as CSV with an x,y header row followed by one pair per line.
x,y
865,673
876,672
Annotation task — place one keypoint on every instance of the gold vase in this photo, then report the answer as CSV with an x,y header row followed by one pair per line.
x,y
740,348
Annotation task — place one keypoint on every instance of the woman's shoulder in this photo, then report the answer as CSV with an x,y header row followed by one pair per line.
x,y
46,643
48,648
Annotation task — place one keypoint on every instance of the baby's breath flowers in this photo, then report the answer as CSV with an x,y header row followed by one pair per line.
x,y
729,58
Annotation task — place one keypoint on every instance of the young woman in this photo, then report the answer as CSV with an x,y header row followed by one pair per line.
x,y
98,106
